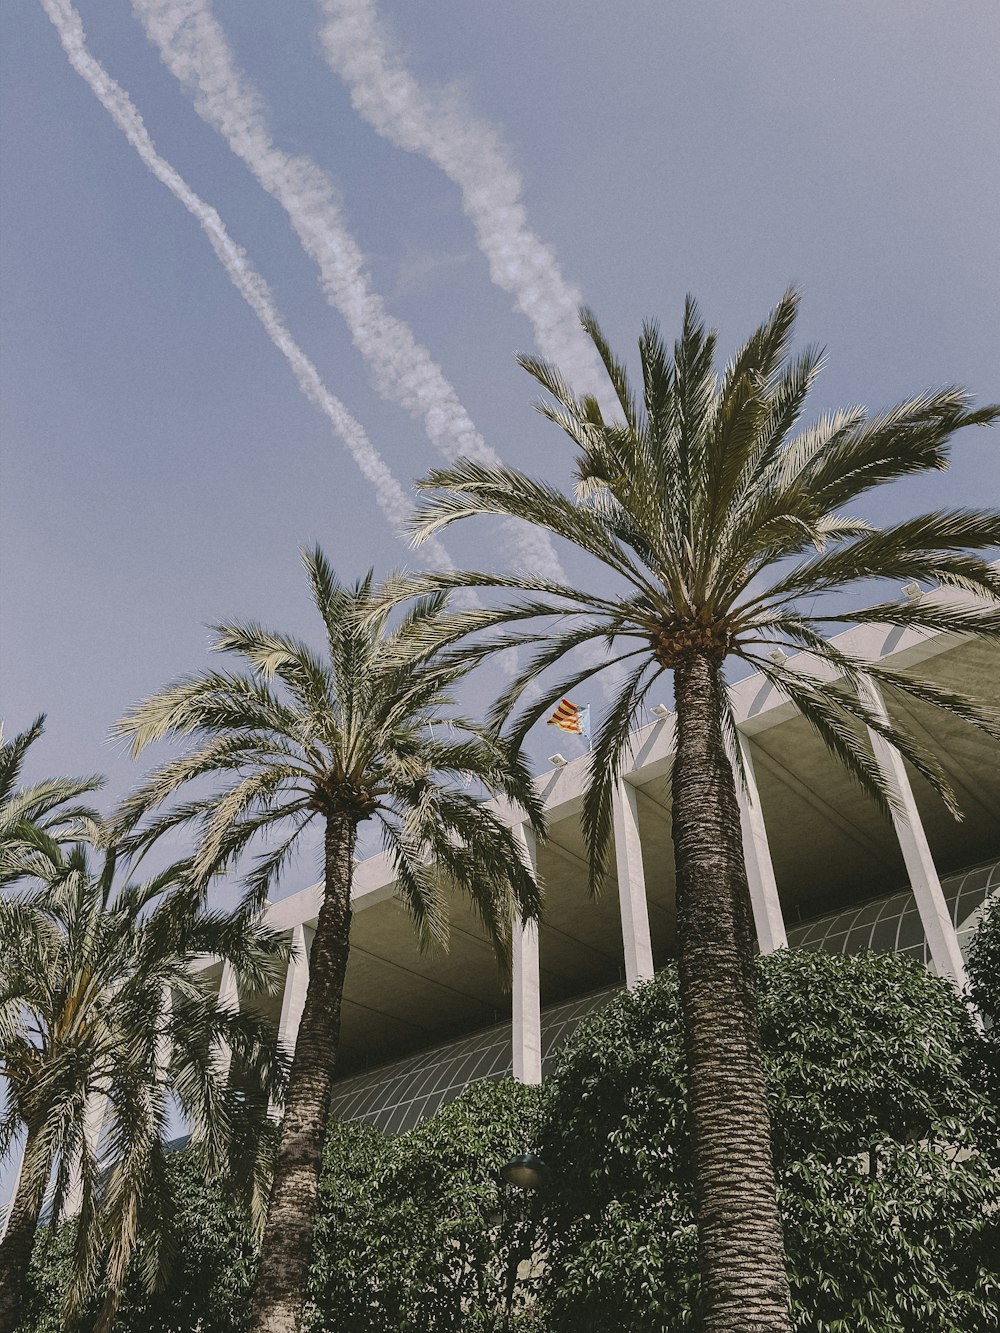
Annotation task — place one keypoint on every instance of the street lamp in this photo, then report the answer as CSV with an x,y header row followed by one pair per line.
x,y
526,1171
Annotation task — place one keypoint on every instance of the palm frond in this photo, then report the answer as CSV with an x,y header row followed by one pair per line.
x,y
617,373
82,1016
912,437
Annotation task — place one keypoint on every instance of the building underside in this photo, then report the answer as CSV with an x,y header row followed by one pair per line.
x,y
418,1026
397,1096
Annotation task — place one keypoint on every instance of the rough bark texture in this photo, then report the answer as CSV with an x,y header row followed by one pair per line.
x,y
740,1247
286,1249
15,1252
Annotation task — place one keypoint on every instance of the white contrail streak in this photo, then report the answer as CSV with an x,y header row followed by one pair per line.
x,y
392,499
194,48
440,126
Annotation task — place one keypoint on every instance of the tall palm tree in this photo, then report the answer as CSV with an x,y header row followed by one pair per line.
x,y
104,1028
724,530
31,815
337,739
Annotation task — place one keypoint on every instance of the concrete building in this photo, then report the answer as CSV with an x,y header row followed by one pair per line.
x,y
826,870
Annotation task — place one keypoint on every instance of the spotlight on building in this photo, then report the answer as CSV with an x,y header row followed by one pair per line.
x,y
557,761
778,656
911,591
661,711
525,1171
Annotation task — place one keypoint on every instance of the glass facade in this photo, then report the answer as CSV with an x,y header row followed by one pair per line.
x,y
398,1096
893,924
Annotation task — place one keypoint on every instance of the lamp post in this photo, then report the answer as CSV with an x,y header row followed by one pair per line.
x,y
526,1174
525,1171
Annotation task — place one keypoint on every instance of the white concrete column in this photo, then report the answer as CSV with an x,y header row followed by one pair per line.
x,y
163,1049
942,939
8,1207
631,886
526,1019
229,998
767,916
296,984
94,1114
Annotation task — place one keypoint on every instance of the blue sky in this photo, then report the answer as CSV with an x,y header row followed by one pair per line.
x,y
161,466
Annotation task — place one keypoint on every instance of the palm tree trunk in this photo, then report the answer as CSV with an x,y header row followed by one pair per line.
x,y
15,1251
741,1256
286,1250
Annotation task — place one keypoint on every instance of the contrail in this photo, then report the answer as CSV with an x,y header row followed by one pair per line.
x,y
194,48
392,499
440,126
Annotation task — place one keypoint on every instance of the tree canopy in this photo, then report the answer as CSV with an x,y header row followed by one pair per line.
x,y
40,815
884,1148
105,1030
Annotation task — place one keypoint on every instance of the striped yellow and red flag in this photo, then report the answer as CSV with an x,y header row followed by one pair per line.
x,y
568,717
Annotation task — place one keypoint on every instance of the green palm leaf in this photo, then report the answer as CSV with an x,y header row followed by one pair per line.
x,y
721,525
303,738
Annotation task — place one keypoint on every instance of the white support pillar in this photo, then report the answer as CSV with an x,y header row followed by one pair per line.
x,y
229,998
15,1183
767,915
526,1018
94,1114
296,984
631,886
942,939
163,1041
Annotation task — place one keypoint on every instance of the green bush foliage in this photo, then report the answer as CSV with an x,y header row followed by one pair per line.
x,y
613,1137
984,979
882,1143
417,1233
212,1260
414,1233
984,961
886,1149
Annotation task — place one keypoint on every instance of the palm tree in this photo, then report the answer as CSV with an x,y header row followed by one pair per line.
x,y
30,815
104,1027
724,530
338,739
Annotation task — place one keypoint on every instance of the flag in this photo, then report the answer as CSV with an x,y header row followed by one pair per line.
x,y
568,717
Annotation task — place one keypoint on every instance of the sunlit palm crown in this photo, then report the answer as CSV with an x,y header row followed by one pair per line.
x,y
727,527
85,968
40,815
352,734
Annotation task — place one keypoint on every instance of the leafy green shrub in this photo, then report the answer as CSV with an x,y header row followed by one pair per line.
x,y
417,1233
984,961
212,1258
48,1277
883,1141
888,1196
617,1200
414,1233
984,979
